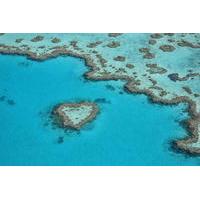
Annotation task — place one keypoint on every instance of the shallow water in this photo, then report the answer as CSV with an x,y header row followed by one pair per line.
x,y
129,130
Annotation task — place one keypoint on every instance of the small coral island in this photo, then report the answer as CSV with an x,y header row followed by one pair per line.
x,y
74,115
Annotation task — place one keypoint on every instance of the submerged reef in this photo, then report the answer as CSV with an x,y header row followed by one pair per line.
x,y
147,53
55,40
114,34
120,58
37,38
155,69
163,66
19,40
152,42
113,44
184,43
167,48
74,115
7,100
94,44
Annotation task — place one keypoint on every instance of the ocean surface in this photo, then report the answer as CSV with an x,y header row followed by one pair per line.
x,y
129,130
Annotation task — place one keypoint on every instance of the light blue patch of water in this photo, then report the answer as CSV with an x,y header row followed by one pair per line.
x,y
128,131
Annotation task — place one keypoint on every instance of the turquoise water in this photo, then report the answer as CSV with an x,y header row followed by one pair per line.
x,y
128,131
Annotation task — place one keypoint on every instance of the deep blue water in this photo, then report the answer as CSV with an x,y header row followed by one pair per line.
x,y
128,131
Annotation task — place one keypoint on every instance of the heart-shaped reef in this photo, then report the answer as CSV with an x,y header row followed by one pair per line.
x,y
75,115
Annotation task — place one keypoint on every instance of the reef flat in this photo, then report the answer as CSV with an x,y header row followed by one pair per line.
x,y
163,66
75,115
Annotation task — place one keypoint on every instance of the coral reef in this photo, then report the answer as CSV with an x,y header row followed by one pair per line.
x,y
37,38
55,40
75,115
130,63
114,34
18,40
113,44
167,48
120,58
